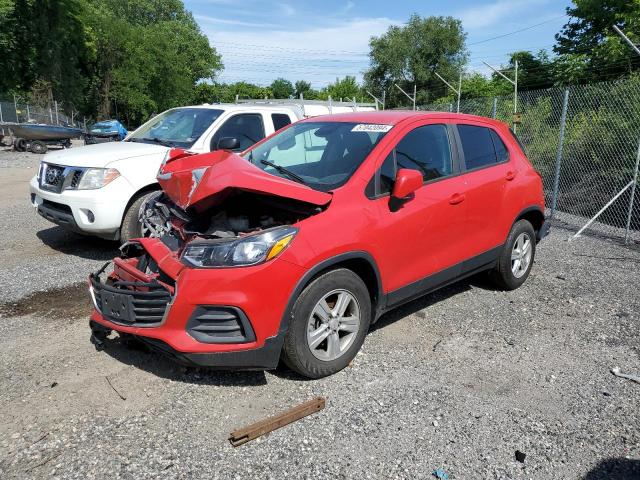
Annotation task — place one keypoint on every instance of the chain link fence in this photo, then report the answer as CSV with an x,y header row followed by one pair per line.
x,y
585,142
18,112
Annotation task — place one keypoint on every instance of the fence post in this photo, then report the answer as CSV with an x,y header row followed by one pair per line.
x,y
633,194
50,115
556,179
15,106
1,120
494,109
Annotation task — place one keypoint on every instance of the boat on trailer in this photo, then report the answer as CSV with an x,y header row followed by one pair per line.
x,y
37,137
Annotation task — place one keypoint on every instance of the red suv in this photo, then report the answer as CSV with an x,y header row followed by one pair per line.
x,y
294,248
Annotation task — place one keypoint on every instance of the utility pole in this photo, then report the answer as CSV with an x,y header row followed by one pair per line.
x,y
515,91
413,99
458,91
637,166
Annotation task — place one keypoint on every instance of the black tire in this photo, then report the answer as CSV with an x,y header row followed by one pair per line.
x,y
20,145
131,226
503,274
296,352
38,147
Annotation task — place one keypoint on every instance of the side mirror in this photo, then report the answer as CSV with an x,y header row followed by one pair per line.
x,y
407,182
227,143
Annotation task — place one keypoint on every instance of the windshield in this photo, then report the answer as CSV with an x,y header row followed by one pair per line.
x,y
322,155
103,128
179,127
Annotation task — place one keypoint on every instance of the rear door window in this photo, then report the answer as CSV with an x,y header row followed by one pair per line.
x,y
477,146
280,120
248,128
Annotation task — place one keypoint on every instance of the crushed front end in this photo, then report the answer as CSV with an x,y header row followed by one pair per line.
x,y
209,288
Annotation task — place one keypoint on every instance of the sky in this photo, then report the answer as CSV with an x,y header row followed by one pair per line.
x,y
319,41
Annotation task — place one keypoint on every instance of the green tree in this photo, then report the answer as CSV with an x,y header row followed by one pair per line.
x,y
588,37
44,40
411,54
150,55
282,88
302,87
345,89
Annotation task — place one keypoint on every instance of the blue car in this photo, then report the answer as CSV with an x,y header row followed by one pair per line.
x,y
105,131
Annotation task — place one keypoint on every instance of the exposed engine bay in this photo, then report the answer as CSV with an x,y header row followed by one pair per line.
x,y
240,213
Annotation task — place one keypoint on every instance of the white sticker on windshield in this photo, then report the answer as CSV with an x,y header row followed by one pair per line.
x,y
371,127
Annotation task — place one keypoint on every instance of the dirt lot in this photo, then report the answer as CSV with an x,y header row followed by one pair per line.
x,y
458,380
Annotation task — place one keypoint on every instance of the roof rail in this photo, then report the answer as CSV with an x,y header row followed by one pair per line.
x,y
301,103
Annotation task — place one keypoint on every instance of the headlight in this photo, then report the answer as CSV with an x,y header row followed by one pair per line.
x,y
97,178
249,250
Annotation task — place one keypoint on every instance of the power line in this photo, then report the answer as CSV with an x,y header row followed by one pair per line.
x,y
517,31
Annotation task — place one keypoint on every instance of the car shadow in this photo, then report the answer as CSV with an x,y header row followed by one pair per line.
x,y
615,469
138,355
70,243
416,306
481,280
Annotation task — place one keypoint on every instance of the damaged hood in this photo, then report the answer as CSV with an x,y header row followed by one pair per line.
x,y
205,180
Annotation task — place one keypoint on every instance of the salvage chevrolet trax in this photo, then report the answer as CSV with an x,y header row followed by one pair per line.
x,y
293,249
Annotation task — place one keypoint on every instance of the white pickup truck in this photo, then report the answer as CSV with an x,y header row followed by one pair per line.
x,y
98,189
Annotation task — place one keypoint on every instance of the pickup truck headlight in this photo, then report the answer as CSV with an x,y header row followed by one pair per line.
x,y
249,250
95,178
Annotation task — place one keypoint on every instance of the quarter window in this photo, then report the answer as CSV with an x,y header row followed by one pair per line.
x,y
425,149
501,151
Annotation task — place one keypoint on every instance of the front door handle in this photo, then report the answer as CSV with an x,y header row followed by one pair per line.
x,y
510,175
457,198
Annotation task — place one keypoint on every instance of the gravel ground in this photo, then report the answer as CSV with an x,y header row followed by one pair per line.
x,y
457,380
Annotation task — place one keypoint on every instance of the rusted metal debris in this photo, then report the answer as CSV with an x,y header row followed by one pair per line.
x,y
253,431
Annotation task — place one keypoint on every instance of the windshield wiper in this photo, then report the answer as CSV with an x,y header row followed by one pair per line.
x,y
159,141
285,171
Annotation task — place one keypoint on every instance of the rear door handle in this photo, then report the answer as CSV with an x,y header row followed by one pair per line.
x,y
510,175
457,198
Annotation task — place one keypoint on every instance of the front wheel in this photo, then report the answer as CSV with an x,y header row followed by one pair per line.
x,y
330,320
516,259
131,226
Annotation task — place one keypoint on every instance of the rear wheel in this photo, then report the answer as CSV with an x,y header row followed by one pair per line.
x,y
330,321
516,259
131,226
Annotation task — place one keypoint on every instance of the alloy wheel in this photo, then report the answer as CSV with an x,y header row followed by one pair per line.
x,y
333,325
521,255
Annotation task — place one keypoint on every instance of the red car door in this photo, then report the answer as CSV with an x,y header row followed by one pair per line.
x,y
489,173
420,240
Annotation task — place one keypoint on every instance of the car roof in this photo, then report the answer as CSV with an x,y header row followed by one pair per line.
x,y
394,117
240,106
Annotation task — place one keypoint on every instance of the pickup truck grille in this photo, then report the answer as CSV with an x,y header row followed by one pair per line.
x,y
135,304
56,178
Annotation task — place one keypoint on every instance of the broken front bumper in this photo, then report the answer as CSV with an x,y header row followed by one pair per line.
x,y
226,318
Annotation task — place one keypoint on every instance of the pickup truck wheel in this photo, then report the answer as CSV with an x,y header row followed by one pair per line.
x,y
131,226
517,256
330,320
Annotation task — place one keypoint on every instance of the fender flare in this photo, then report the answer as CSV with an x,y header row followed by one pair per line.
x,y
543,230
324,265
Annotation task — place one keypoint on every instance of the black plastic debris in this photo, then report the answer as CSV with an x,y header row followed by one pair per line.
x,y
520,456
